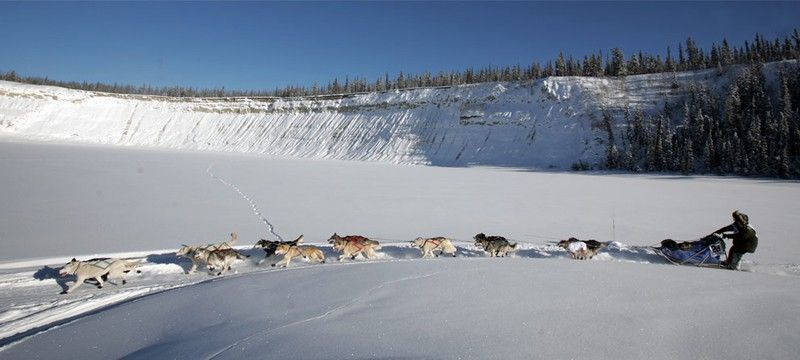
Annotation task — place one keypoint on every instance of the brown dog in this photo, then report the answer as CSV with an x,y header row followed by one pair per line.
x,y
351,246
269,247
289,252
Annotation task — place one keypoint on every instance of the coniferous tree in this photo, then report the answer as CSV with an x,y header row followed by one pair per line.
x,y
561,65
618,65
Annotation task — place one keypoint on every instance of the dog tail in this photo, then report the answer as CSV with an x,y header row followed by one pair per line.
x,y
132,263
513,246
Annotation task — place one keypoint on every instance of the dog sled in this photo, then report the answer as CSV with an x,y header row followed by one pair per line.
x,y
706,252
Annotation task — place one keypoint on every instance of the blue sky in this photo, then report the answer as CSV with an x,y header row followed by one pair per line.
x,y
261,45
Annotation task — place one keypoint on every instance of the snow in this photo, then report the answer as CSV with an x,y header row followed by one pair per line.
x,y
543,124
447,308
88,174
62,201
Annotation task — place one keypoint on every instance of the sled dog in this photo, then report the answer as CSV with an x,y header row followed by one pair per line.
x,y
199,254
289,252
494,245
429,245
582,249
98,269
269,247
353,238
351,248
220,260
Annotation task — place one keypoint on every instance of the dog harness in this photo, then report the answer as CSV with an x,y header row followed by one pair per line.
x,y
356,238
215,247
357,241
360,245
435,243
100,264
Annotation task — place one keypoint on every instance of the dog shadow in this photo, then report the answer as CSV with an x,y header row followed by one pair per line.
x,y
403,252
48,273
538,253
470,252
170,259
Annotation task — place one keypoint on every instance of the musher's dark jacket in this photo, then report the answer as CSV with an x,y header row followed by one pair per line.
x,y
744,240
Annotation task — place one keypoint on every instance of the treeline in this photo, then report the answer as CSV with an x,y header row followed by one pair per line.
x,y
743,131
615,63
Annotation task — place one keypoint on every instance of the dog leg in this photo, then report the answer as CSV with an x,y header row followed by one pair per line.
x,y
281,263
78,282
117,274
99,281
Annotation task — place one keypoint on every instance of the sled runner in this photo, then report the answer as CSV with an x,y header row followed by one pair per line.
x,y
706,252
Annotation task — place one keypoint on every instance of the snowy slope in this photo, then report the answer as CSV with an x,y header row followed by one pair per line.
x,y
540,124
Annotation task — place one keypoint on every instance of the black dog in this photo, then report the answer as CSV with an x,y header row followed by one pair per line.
x,y
269,247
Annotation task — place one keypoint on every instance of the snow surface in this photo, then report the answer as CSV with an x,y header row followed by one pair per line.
x,y
627,303
447,308
543,124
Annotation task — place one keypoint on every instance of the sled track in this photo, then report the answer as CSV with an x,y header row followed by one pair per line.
x,y
253,205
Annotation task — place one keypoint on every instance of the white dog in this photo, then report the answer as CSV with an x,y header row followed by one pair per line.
x,y
578,250
428,246
220,260
97,269
199,254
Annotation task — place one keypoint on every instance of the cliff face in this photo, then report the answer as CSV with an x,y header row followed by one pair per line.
x,y
541,124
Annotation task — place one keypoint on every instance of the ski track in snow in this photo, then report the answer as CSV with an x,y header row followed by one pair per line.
x,y
249,200
29,308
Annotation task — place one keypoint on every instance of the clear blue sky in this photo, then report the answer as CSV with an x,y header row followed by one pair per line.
x,y
261,45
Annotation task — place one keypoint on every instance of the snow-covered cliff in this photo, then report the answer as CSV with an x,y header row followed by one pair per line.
x,y
542,124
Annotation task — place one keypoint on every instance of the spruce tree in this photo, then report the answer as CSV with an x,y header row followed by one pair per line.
x,y
618,66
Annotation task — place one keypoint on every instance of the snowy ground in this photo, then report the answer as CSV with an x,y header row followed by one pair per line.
x,y
64,201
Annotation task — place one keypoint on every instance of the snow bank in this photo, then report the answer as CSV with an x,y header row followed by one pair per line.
x,y
539,124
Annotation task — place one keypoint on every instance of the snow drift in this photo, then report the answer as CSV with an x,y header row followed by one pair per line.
x,y
546,123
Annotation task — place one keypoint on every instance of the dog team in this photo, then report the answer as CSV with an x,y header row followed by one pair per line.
x,y
218,258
